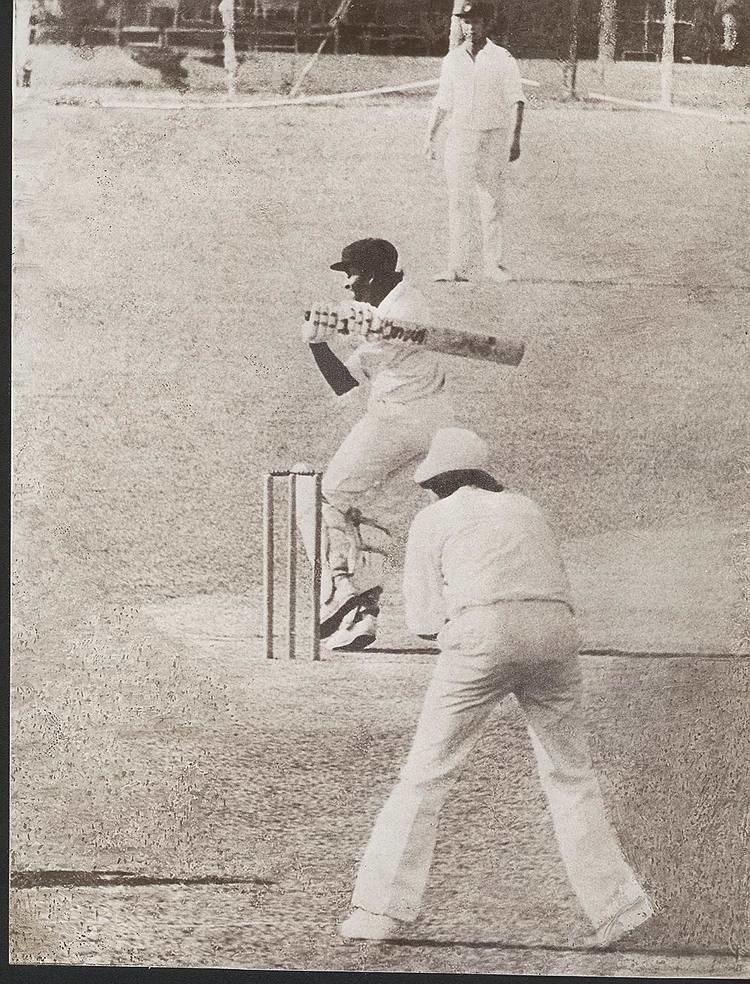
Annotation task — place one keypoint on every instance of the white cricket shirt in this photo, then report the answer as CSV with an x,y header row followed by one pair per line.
x,y
479,92
397,371
476,548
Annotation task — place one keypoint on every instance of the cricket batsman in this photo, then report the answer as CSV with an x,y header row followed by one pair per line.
x,y
407,405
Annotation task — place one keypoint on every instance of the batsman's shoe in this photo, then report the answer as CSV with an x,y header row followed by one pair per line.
x,y
450,277
356,632
348,604
364,925
499,274
345,599
624,921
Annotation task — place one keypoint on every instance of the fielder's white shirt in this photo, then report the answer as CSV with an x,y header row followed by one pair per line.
x,y
479,92
397,371
477,548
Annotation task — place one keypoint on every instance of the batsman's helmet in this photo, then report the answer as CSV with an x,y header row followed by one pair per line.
x,y
474,10
368,255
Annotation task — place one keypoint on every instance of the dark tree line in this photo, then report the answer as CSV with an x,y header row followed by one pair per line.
x,y
528,27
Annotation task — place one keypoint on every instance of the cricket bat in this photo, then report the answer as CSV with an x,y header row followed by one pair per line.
x,y
450,341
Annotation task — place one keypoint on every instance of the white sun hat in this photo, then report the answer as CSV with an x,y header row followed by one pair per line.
x,y
453,449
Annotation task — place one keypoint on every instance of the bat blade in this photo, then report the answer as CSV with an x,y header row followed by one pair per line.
x,y
464,344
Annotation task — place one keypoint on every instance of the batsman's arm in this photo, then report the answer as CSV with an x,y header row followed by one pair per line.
x,y
332,369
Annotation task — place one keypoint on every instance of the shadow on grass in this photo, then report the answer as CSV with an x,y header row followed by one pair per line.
x,y
62,878
655,950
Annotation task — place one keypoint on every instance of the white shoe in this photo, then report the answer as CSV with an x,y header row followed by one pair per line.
x,y
356,632
500,274
622,922
450,277
364,925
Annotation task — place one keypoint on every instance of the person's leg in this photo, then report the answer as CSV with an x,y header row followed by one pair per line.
x,y
394,868
410,429
353,550
551,698
459,164
490,182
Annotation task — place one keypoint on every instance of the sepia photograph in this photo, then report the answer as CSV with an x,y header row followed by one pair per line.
x,y
380,535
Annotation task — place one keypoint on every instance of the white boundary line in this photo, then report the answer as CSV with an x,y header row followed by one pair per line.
x,y
678,110
272,103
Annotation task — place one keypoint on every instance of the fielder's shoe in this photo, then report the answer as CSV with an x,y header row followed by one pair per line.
x,y
450,277
621,923
364,925
499,274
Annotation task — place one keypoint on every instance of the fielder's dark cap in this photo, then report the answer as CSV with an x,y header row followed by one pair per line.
x,y
471,11
370,255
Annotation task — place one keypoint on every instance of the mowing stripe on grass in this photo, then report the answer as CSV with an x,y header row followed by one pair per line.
x,y
676,110
626,654
628,282
271,103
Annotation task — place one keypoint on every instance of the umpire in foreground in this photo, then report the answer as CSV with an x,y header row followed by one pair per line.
x,y
484,576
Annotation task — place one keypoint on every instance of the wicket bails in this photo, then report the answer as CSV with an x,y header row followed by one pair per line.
x,y
292,479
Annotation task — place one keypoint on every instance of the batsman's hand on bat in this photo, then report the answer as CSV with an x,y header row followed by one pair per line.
x,y
361,320
321,323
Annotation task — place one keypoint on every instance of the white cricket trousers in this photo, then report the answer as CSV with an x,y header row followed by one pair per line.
x,y
528,649
475,164
385,440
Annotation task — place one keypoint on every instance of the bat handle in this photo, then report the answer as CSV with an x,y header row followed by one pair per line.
x,y
342,327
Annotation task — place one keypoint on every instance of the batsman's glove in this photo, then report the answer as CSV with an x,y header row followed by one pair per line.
x,y
361,320
321,323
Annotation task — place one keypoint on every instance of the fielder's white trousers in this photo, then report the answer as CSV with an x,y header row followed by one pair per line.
x,y
528,649
475,164
388,438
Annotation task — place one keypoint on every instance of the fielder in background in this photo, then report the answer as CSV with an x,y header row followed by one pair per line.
x,y
406,406
483,572
456,34
481,95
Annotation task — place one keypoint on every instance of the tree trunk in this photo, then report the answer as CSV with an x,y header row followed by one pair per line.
x,y
118,24
571,66
607,31
667,52
226,9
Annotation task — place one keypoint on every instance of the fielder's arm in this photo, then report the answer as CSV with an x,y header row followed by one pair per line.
x,y
436,120
515,147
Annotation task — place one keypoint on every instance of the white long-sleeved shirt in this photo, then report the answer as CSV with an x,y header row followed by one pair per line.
x,y
477,548
398,372
479,92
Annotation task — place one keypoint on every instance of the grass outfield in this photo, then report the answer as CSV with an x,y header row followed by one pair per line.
x,y
163,260
193,758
